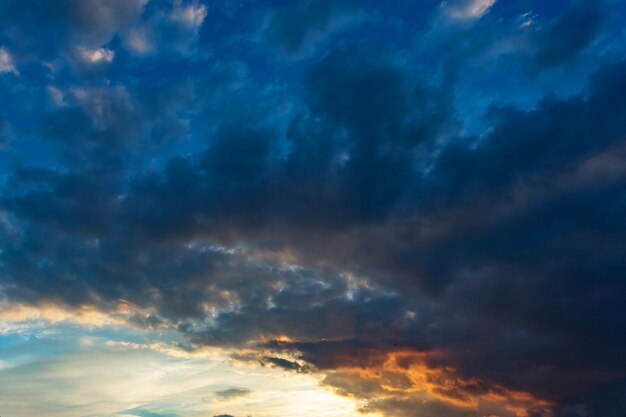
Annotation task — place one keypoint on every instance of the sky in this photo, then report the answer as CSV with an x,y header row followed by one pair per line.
x,y
312,208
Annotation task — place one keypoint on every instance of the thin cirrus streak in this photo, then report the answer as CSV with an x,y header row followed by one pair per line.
x,y
313,208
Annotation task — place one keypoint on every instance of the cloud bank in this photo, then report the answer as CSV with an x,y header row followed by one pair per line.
x,y
420,203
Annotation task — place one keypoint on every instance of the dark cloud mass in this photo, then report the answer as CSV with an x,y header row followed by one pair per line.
x,y
381,193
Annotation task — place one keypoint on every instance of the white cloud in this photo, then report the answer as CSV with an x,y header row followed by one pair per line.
x,y
6,62
467,9
527,20
95,56
190,16
166,30
138,41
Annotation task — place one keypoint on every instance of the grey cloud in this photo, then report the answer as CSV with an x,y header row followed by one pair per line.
x,y
231,393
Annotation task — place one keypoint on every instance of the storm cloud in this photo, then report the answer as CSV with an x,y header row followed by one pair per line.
x,y
329,189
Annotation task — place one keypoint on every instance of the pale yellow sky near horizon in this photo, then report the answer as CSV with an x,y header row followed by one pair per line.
x,y
104,375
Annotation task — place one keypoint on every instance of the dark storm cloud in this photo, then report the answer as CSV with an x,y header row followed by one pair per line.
x,y
360,230
541,282
523,144
104,122
351,159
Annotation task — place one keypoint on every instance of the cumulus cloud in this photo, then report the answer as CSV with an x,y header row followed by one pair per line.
x,y
191,15
173,29
95,56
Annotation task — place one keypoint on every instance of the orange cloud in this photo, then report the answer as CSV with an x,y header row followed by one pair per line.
x,y
408,374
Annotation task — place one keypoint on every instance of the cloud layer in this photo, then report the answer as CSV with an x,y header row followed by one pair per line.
x,y
420,203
